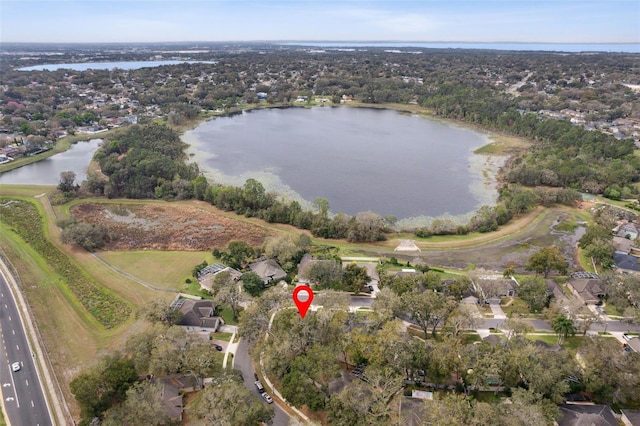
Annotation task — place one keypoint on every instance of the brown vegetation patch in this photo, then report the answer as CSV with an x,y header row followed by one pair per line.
x,y
179,227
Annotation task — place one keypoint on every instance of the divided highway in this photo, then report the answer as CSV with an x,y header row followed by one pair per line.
x,y
23,398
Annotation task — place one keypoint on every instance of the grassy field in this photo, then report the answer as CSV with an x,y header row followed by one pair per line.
x,y
503,145
166,269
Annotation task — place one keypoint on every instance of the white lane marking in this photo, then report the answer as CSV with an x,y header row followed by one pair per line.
x,y
14,387
14,332
32,404
18,347
5,306
9,317
27,382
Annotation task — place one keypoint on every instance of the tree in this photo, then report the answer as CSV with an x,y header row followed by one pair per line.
x,y
533,290
67,182
286,248
367,403
611,375
228,404
89,236
355,277
428,309
563,326
101,387
238,253
143,405
325,274
228,291
160,311
547,259
252,283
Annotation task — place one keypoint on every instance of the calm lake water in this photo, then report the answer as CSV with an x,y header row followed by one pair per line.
x,y
358,159
47,171
107,65
540,47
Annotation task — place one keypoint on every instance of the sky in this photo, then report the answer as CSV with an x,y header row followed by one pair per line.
x,y
533,21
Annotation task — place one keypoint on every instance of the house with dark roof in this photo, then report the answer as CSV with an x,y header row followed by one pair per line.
x,y
197,313
269,270
172,389
589,290
586,415
626,261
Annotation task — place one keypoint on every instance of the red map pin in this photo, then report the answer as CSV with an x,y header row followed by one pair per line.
x,y
302,297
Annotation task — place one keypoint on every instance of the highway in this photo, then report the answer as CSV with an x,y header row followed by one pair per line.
x,y
22,393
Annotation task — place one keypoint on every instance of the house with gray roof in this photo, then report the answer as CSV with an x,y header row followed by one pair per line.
x,y
586,415
269,270
197,313
590,290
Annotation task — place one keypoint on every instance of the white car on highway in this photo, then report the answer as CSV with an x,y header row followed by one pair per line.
x,y
15,366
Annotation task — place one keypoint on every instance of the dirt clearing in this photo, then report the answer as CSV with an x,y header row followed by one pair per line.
x,y
179,227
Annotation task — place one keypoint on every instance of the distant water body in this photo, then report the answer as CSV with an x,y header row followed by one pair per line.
x,y
47,171
545,47
107,65
358,159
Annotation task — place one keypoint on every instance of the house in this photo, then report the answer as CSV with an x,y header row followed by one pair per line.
x,y
588,287
197,313
268,270
626,261
172,388
592,415
208,274
630,417
470,297
305,265
627,230
493,288
634,343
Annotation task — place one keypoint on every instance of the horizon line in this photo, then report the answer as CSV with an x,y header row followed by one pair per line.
x,y
318,41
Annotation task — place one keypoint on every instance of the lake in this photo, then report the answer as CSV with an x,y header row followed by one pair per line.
x,y
133,65
359,159
539,47
47,171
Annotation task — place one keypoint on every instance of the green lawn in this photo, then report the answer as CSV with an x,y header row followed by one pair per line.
x,y
611,310
227,315
518,306
571,343
166,269
225,337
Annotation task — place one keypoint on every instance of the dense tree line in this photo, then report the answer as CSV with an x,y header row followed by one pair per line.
x,y
123,388
306,357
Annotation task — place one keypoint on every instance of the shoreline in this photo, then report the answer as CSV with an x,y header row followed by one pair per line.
x,y
487,166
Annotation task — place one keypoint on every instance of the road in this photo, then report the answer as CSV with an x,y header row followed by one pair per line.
x,y
242,361
22,392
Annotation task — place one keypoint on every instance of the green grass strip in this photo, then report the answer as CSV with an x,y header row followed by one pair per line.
x,y
24,219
